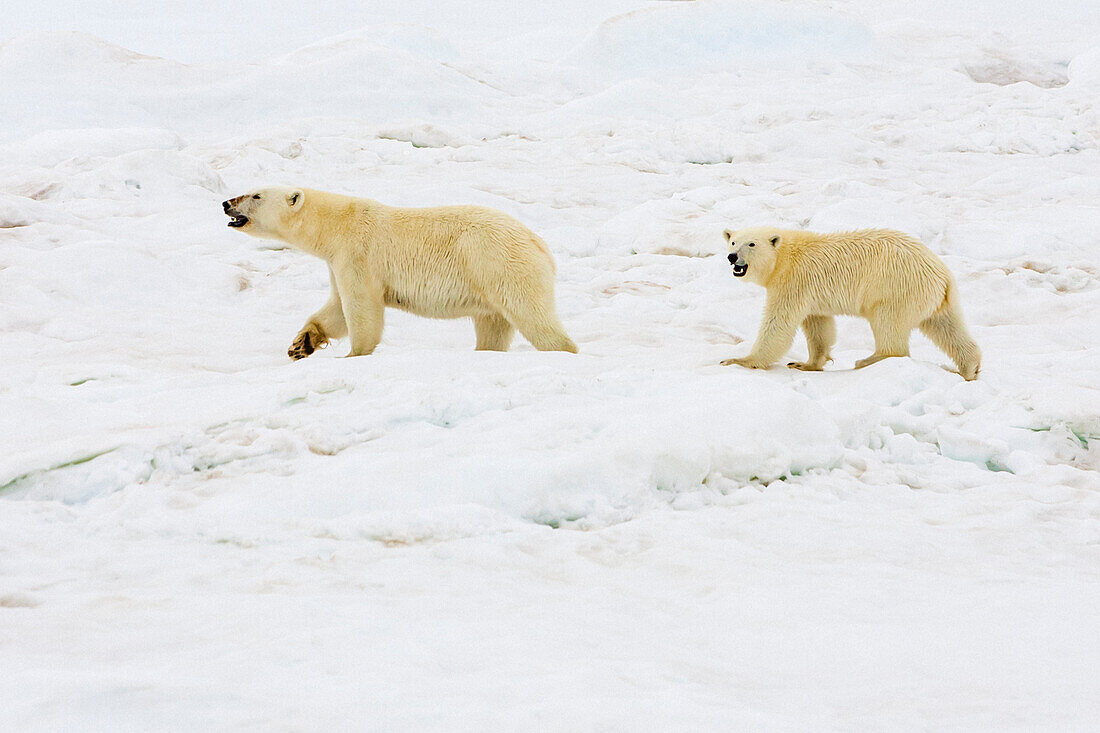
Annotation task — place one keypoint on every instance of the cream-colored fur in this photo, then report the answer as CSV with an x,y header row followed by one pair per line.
x,y
887,277
442,262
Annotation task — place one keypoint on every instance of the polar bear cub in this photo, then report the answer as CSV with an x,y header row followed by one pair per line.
x,y
887,277
442,262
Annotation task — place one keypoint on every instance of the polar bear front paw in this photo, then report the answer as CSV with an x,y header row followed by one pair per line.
x,y
308,340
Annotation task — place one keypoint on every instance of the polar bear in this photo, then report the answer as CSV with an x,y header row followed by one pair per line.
x,y
887,277
442,262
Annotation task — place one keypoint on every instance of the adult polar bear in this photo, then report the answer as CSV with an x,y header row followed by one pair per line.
x,y
442,262
887,277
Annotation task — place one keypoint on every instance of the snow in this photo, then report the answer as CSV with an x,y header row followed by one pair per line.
x,y
196,533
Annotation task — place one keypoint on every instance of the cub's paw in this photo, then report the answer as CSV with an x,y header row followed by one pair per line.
x,y
746,362
970,373
309,339
803,366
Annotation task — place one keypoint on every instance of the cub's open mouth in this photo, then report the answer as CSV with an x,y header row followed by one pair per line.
x,y
238,220
738,270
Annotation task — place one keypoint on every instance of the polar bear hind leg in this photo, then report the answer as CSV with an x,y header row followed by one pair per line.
x,y
540,326
525,299
537,320
891,328
494,332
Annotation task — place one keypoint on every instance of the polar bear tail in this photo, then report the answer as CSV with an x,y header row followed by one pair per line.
x,y
947,330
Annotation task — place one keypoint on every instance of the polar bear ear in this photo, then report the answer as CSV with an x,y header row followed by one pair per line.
x,y
294,199
775,241
728,234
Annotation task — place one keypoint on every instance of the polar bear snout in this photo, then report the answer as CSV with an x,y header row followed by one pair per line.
x,y
236,218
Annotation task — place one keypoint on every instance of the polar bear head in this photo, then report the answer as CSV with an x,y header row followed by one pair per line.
x,y
752,252
267,212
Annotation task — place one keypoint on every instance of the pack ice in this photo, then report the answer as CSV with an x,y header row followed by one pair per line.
x,y
197,534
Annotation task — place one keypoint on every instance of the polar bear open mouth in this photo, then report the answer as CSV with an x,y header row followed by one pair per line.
x,y
238,220
738,270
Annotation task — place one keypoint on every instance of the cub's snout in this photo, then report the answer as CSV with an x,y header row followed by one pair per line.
x,y
740,267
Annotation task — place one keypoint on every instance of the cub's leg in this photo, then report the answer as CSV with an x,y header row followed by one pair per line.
x,y
494,332
327,323
946,330
891,331
820,336
777,330
363,305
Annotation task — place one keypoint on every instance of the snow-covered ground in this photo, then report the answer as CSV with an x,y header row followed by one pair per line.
x,y
197,534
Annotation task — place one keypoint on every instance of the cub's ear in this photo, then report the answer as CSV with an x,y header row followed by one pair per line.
x,y
728,234
294,199
775,241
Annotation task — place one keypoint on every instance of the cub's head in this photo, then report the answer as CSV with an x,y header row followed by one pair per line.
x,y
753,251
265,212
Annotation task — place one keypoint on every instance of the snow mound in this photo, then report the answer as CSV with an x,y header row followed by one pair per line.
x,y
609,457
106,86
527,452
717,36
76,49
52,147
422,135
1084,70
20,211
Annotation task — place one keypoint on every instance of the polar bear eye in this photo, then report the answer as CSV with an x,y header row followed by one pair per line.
x,y
752,244
257,197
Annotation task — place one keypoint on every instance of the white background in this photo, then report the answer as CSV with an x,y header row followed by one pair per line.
x,y
197,534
